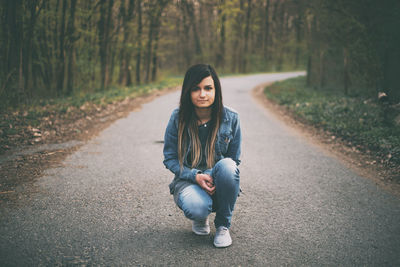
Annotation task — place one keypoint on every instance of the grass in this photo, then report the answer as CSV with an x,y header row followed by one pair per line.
x,y
40,108
14,122
358,120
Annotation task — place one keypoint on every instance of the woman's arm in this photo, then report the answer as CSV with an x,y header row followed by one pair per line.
x,y
234,148
170,151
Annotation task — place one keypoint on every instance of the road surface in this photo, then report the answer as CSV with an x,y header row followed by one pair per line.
x,y
109,203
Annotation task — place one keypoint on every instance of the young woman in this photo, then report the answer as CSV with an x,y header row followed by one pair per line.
x,y
202,148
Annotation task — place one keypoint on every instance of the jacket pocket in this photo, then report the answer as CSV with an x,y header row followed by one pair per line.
x,y
223,142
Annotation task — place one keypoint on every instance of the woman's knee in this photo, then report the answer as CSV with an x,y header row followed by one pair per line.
x,y
226,169
196,211
194,204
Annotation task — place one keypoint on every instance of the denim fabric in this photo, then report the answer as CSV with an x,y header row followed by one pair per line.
x,y
228,145
197,204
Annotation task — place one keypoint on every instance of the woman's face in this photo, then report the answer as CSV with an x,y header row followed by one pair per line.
x,y
203,95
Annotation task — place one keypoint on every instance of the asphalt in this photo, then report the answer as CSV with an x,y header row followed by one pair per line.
x,y
109,204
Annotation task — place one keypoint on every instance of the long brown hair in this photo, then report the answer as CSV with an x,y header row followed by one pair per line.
x,y
188,128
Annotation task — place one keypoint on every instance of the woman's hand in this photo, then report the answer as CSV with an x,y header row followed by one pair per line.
x,y
206,182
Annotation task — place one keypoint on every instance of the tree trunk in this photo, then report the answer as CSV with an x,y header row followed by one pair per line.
x,y
92,40
345,72
109,54
27,64
154,64
266,32
246,37
159,12
52,73
275,31
222,39
139,42
47,45
309,70
297,25
48,73
281,37
104,42
112,50
55,29
185,38
311,50
190,11
322,69
149,46
61,63
125,54
3,48
128,68
71,49
238,40
13,53
122,74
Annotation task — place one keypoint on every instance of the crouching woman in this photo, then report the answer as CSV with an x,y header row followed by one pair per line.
x,y
202,148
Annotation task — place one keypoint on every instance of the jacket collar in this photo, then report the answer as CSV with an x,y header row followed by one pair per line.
x,y
225,115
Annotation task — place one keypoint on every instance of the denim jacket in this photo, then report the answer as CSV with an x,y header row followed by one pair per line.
x,y
227,145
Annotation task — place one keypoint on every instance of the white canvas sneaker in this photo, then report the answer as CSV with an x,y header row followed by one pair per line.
x,y
222,237
201,227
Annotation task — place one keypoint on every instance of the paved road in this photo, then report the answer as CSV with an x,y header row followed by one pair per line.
x,y
109,204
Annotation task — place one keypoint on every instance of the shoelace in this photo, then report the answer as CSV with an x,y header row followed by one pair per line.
x,y
222,230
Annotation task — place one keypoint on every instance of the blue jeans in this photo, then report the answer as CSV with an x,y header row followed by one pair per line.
x,y
197,204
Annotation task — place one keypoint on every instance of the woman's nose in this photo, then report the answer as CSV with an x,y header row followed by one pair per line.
x,y
202,92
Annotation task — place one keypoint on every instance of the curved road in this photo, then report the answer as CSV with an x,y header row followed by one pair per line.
x,y
109,204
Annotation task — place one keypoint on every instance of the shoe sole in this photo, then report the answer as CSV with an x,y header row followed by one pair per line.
x,y
201,233
222,246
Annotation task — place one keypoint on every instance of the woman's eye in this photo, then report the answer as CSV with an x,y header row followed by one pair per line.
x,y
195,89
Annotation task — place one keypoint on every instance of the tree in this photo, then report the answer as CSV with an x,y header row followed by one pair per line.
x,y
154,15
61,60
70,47
125,53
139,41
54,47
104,40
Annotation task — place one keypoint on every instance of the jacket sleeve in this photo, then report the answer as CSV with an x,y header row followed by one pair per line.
x,y
170,151
234,148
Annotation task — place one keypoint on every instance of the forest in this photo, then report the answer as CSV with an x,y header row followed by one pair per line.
x,y
57,48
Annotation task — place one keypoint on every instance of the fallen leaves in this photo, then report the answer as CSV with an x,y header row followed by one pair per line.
x,y
7,192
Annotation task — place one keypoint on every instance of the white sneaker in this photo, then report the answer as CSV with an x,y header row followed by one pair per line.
x,y
201,227
222,237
